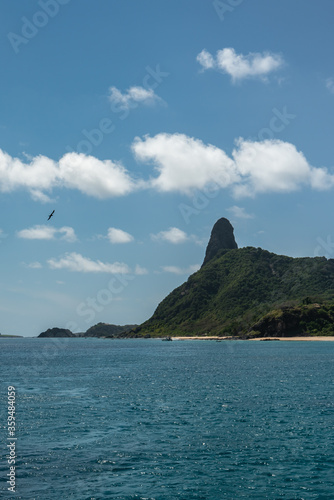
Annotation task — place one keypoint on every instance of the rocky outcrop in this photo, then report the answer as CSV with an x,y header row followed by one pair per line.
x,y
304,320
57,332
222,238
285,324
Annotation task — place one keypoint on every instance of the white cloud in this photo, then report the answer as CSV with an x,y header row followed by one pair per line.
x,y
2,234
48,233
184,163
206,59
330,84
239,66
35,265
140,271
180,164
239,213
173,235
275,166
100,179
179,270
77,262
37,233
68,234
132,97
119,236
93,177
38,195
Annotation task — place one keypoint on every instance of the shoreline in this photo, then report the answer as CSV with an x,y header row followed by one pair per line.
x,y
320,338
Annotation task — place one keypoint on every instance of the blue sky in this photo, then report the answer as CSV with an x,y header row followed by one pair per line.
x,y
142,123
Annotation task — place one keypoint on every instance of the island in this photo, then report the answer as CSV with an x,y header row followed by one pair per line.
x,y
248,293
238,293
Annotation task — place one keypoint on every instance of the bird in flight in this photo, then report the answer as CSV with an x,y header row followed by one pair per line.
x,y
51,214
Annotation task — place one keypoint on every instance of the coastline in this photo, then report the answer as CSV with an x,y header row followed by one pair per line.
x,y
320,338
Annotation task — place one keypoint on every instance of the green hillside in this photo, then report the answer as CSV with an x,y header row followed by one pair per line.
x,y
249,291
107,330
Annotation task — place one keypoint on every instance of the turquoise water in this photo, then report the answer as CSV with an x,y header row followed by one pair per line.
x,y
145,419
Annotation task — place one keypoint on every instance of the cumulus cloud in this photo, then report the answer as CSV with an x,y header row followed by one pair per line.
x,y
239,66
180,164
76,262
239,213
173,235
119,236
68,234
179,270
48,233
89,175
275,166
100,179
37,233
185,164
206,60
132,97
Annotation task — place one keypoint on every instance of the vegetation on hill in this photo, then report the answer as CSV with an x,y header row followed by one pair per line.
x,y
248,292
99,330
56,332
107,330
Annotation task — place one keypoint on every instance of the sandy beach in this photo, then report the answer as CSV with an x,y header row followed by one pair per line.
x,y
260,338
297,338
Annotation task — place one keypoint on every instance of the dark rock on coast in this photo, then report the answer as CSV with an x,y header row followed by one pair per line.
x,y
57,332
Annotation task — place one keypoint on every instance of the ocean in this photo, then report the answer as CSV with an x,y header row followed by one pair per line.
x,y
152,420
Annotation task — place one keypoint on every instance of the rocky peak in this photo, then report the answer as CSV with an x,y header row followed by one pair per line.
x,y
221,238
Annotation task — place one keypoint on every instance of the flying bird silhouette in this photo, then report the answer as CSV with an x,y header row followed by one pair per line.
x,y
51,214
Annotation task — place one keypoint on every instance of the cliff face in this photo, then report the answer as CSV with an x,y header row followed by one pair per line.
x,y
222,238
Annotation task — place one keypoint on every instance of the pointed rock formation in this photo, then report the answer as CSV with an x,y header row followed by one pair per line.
x,y
222,238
